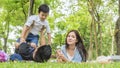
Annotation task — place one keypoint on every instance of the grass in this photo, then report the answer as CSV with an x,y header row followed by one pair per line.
x,y
57,65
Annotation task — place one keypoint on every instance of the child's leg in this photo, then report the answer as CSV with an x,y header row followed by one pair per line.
x,y
34,41
17,45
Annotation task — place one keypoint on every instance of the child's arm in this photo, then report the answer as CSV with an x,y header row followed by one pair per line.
x,y
24,32
49,38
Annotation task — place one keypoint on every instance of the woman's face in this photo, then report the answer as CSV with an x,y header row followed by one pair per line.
x,y
71,38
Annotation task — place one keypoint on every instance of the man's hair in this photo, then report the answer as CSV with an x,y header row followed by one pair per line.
x,y
44,8
24,51
43,53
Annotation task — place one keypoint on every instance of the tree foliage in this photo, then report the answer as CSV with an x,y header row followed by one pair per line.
x,y
64,16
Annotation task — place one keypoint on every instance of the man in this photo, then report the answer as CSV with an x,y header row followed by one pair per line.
x,y
27,52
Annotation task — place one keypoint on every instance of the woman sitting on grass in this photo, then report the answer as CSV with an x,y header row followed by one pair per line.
x,y
73,50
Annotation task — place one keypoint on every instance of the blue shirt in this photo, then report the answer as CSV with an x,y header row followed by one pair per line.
x,y
76,58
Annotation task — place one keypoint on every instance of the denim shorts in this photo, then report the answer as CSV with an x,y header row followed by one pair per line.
x,y
31,39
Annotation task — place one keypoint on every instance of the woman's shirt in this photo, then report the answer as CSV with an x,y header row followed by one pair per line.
x,y
76,57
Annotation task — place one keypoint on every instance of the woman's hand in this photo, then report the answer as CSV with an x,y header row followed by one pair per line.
x,y
64,59
58,52
60,56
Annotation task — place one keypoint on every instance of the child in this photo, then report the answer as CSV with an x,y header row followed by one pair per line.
x,y
33,27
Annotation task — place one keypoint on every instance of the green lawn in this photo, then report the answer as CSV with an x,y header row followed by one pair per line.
x,y
57,65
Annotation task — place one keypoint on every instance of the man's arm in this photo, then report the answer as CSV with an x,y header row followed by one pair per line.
x,y
42,37
48,34
49,38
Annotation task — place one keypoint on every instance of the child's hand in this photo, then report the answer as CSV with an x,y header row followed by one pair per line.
x,y
22,40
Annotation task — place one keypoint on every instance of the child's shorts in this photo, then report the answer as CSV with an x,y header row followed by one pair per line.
x,y
31,38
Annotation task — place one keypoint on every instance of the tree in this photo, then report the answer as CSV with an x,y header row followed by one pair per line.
x,y
95,27
117,32
30,11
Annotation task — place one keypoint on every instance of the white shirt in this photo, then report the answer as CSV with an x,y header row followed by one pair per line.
x,y
38,24
69,57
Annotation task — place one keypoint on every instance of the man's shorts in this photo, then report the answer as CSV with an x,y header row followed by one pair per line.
x,y
16,57
31,39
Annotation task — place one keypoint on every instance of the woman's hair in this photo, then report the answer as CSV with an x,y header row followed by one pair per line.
x,y
79,45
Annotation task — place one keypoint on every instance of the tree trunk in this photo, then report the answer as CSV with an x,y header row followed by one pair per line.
x,y
5,45
95,38
117,33
6,37
23,10
30,10
100,39
91,45
96,26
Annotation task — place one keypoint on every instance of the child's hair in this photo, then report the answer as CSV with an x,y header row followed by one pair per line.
x,y
44,8
43,53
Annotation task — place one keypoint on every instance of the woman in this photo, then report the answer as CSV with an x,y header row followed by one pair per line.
x,y
73,50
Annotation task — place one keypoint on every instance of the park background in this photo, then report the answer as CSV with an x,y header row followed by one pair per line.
x,y
98,22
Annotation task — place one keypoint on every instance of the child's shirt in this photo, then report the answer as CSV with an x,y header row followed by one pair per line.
x,y
38,24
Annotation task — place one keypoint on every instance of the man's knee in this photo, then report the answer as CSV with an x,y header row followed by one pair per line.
x,y
17,45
